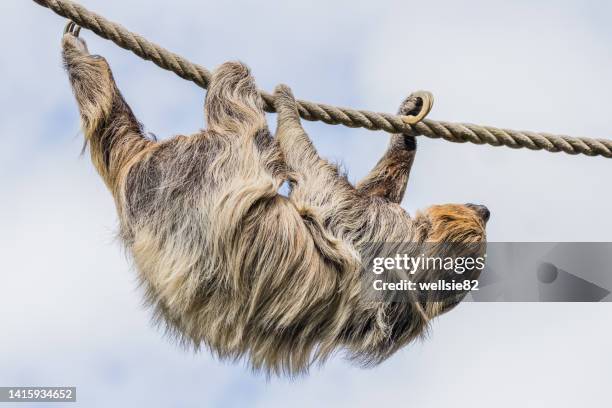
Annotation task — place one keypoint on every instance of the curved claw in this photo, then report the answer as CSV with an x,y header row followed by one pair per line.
x,y
426,104
72,28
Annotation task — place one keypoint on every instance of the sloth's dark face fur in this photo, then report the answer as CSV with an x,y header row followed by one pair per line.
x,y
230,264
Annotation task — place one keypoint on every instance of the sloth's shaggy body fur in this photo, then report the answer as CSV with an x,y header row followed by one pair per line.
x,y
227,261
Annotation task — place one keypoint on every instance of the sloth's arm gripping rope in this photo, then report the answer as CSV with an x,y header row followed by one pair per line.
x,y
412,125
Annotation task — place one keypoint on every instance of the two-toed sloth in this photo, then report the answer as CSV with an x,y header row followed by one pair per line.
x,y
228,262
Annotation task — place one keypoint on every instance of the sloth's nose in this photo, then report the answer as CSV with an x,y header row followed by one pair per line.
x,y
481,210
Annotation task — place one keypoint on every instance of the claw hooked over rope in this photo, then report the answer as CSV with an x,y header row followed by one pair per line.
x,y
424,103
72,28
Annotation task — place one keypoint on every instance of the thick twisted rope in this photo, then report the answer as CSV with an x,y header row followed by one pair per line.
x,y
454,132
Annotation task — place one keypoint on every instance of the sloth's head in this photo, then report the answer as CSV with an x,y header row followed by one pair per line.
x,y
459,223
458,231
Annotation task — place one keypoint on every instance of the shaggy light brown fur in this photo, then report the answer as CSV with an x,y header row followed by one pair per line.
x,y
231,264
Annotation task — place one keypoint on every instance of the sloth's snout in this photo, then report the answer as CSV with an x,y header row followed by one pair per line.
x,y
481,210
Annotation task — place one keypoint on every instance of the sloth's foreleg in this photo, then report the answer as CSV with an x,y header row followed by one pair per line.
x,y
389,177
110,128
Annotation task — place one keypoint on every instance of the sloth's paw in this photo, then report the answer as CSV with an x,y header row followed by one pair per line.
x,y
283,97
75,52
71,42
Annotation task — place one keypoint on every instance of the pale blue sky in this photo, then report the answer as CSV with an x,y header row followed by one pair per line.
x,y
70,309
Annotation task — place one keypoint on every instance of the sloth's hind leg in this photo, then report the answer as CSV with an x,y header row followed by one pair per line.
x,y
234,109
233,103
316,183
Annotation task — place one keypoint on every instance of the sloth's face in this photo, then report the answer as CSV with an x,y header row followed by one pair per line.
x,y
463,223
460,229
